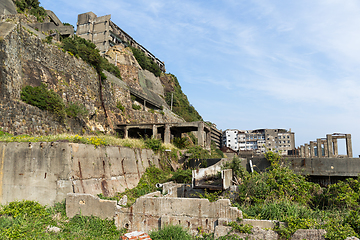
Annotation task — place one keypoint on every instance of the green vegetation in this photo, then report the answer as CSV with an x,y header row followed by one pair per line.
x,y
181,105
182,176
120,106
171,232
31,7
146,185
44,99
154,144
49,100
76,110
145,62
30,220
85,49
136,107
280,194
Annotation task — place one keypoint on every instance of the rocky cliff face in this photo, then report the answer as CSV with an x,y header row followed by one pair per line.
x,y
25,59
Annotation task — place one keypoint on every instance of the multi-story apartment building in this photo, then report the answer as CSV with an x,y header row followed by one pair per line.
x,y
259,140
105,34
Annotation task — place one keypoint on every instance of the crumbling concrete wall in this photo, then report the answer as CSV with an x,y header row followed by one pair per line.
x,y
46,172
153,212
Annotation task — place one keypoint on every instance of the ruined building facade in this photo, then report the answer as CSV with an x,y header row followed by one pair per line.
x,y
259,140
106,34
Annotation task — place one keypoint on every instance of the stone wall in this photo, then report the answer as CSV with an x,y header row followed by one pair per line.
x,y
25,59
46,172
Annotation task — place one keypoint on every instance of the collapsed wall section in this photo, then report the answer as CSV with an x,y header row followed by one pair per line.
x,y
46,172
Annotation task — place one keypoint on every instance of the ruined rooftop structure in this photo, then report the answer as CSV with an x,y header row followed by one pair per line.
x,y
105,34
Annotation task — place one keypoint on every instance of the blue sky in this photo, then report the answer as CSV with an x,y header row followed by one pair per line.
x,y
252,64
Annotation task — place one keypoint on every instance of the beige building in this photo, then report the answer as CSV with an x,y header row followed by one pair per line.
x,y
105,34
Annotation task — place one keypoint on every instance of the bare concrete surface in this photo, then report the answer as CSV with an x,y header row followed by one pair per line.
x,y
46,172
89,205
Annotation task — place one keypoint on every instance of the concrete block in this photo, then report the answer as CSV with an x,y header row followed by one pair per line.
x,y
89,205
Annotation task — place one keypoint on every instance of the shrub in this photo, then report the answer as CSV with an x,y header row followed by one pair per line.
x,y
120,106
32,7
171,232
136,107
153,144
180,142
44,99
76,110
197,152
88,52
182,176
145,62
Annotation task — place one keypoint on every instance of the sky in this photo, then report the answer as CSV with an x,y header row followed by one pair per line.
x,y
250,64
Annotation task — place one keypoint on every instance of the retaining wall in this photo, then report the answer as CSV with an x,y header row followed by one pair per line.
x,y
46,172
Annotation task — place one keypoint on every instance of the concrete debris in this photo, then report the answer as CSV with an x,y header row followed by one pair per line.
x,y
351,238
257,233
309,234
123,201
53,229
136,235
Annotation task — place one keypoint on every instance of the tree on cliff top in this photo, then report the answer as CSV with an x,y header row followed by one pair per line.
x,y
32,7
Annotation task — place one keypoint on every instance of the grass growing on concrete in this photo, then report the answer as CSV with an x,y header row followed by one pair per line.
x,y
30,220
96,140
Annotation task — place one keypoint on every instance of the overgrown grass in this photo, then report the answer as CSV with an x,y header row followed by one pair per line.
x,y
30,220
101,140
280,194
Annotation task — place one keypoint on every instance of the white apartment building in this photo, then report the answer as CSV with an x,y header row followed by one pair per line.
x,y
260,140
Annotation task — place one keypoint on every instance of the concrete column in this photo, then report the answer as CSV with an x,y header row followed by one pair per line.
x,y
200,134
312,149
126,132
335,145
319,148
208,141
167,133
326,152
155,131
302,151
349,146
144,105
329,145
307,154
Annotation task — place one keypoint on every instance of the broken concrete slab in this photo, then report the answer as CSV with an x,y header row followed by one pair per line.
x,y
89,205
309,234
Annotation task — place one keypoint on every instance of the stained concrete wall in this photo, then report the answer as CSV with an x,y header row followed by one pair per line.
x,y
46,172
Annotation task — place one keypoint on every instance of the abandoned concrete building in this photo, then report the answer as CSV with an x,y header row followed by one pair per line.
x,y
259,140
167,131
325,147
106,34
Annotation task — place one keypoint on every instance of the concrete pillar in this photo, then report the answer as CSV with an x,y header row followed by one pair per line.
x,y
312,149
335,145
326,152
319,148
126,132
307,154
329,144
302,151
155,131
167,133
348,146
200,134
208,141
